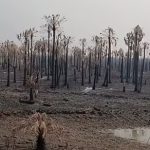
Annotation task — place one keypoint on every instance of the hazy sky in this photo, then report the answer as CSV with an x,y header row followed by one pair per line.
x,y
85,18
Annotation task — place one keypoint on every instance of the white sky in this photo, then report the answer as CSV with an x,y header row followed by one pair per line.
x,y
85,18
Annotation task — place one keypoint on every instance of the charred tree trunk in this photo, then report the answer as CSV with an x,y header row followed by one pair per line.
x,y
136,63
122,68
42,61
14,74
109,60
133,69
106,58
82,63
94,83
56,63
115,61
82,83
105,83
66,66
31,59
28,57
14,65
48,68
107,78
100,63
33,62
31,95
45,62
25,64
8,67
90,67
74,58
96,68
53,59
142,70
130,60
39,59
127,71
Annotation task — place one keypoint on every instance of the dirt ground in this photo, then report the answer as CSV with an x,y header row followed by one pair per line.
x,y
81,118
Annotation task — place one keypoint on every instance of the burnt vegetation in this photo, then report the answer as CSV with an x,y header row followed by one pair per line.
x,y
47,59
66,66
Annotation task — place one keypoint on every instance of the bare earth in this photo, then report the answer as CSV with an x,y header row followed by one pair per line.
x,y
82,118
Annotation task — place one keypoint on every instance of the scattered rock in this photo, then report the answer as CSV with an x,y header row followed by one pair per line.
x,y
97,109
65,99
26,102
100,113
145,110
47,105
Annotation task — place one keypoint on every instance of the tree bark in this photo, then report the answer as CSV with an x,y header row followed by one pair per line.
x,y
8,68
142,70
25,64
48,69
90,68
53,59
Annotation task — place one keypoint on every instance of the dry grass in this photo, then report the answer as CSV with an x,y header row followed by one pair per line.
x,y
31,125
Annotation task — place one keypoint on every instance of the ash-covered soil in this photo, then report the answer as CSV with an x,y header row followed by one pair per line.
x,y
82,117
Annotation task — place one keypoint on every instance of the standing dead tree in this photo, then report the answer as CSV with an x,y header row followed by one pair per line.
x,y
9,51
53,22
14,62
66,46
90,64
96,40
115,52
111,40
8,63
145,47
49,29
128,42
121,55
138,36
76,58
3,56
31,34
83,41
100,52
24,37
8,46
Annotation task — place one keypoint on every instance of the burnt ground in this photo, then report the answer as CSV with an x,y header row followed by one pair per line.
x,y
81,117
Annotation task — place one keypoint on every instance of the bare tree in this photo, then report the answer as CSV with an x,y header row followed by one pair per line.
x,y
9,46
121,54
96,40
146,46
138,36
90,64
49,27
100,52
111,40
128,41
54,22
14,56
24,36
66,44
83,41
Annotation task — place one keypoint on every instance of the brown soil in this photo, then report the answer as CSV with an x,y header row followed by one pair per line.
x,y
81,118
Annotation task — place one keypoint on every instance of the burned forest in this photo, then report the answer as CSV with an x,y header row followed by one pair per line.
x,y
64,92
